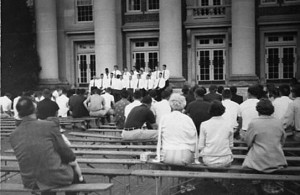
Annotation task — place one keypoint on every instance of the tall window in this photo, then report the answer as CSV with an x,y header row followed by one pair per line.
x,y
210,2
210,58
84,10
153,5
134,5
280,56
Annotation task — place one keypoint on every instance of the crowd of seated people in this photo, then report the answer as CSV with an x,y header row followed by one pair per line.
x,y
192,126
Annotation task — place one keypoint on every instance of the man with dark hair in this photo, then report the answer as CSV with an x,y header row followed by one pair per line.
x,y
281,103
234,97
76,106
139,117
247,110
45,160
292,116
232,109
198,109
47,108
120,109
165,75
137,97
212,95
162,107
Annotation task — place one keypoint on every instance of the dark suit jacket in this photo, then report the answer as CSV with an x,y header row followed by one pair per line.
x,y
76,106
237,98
212,96
39,148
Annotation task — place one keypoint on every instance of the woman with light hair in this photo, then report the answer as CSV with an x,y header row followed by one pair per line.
x,y
177,136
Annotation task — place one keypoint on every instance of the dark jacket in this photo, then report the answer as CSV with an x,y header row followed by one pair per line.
x,y
39,148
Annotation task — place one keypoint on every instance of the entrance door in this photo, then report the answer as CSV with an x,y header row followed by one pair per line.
x,y
210,64
86,64
281,62
145,59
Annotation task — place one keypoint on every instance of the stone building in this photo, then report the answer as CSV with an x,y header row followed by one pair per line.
x,y
228,42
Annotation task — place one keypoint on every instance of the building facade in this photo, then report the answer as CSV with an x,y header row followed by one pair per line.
x,y
227,42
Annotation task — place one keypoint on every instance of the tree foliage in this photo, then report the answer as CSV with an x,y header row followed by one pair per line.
x,y
20,63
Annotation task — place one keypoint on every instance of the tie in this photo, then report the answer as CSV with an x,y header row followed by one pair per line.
x,y
94,82
138,84
164,74
147,84
110,82
101,83
129,83
158,83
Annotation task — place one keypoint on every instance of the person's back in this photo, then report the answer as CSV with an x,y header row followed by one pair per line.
x,y
231,109
62,102
212,95
281,104
47,108
76,105
198,109
162,107
39,162
96,102
138,116
234,97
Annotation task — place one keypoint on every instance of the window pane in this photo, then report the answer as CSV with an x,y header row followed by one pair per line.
x,y
84,10
139,44
134,5
140,60
288,63
93,66
204,63
273,62
218,63
153,4
204,41
83,69
153,60
152,43
268,1
288,38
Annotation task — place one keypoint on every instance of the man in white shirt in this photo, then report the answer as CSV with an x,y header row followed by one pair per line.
x,y
6,103
139,83
148,85
95,82
137,98
126,74
281,103
62,101
231,109
162,107
166,75
248,110
116,71
155,74
135,72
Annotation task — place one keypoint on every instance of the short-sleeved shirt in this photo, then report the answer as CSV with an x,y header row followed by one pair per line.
x,y
119,112
138,116
46,108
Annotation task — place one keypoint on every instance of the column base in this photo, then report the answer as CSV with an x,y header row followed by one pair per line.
x,y
52,83
243,80
177,82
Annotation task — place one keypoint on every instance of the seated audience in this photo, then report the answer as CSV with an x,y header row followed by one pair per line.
x,y
162,107
281,103
212,95
139,117
47,108
137,97
120,109
76,106
45,160
62,102
247,110
291,118
95,103
231,109
177,136
216,138
265,137
234,97
198,109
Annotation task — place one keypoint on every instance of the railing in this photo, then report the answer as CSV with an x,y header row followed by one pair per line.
x,y
208,11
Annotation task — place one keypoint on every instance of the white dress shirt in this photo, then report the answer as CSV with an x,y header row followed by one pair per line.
x,y
138,84
155,75
231,112
166,74
216,137
129,107
160,82
148,84
248,112
16,114
280,106
62,102
160,109
6,103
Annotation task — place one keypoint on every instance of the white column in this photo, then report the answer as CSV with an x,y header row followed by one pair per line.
x,y
243,37
46,29
105,24
170,36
